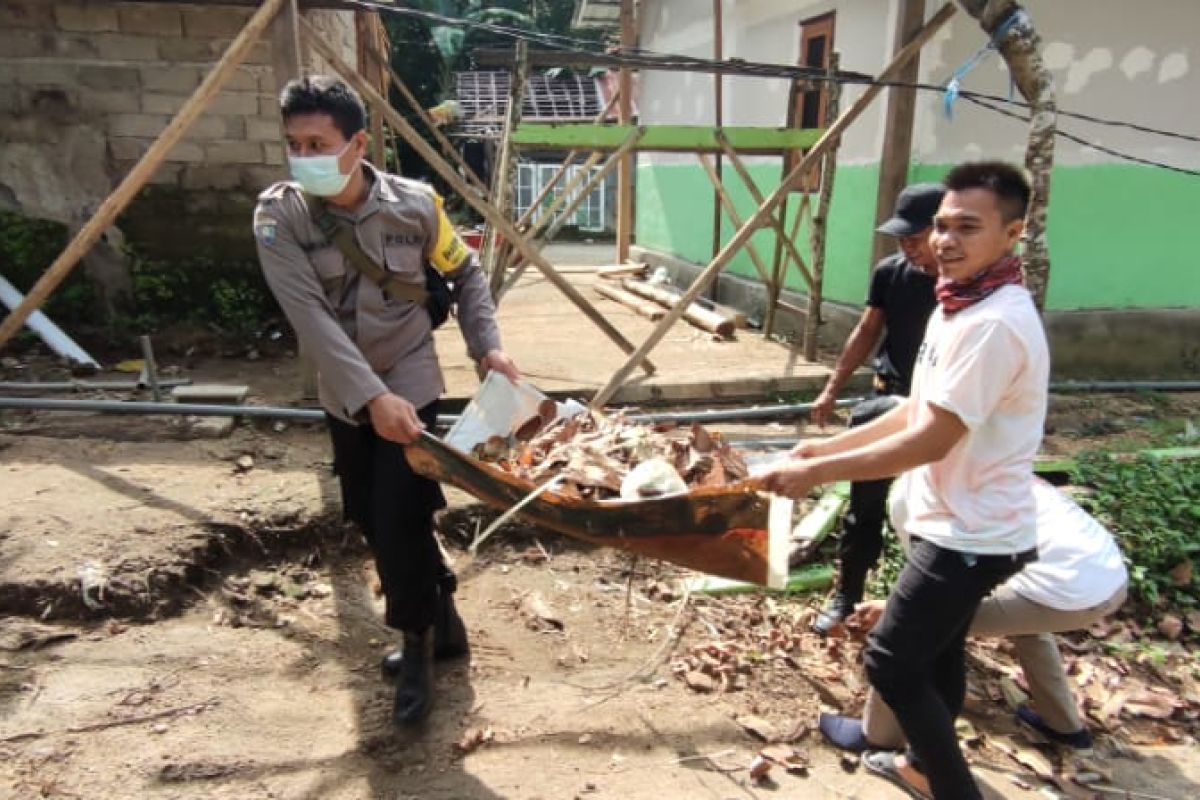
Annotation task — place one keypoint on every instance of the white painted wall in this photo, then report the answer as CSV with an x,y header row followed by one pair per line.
x,y
1137,62
1110,58
764,31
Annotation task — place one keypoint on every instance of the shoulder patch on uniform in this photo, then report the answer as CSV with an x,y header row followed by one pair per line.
x,y
266,228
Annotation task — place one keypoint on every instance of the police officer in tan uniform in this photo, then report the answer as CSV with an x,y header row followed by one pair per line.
x,y
379,378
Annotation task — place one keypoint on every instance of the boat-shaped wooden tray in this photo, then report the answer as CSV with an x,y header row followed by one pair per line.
x,y
733,531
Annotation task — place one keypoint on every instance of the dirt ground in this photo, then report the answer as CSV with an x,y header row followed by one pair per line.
x,y
180,621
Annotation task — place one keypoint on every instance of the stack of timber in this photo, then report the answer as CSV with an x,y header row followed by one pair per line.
x,y
703,318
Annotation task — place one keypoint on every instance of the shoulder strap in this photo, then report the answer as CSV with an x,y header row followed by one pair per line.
x,y
343,237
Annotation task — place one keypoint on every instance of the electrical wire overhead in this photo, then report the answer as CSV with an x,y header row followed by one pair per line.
x,y
649,59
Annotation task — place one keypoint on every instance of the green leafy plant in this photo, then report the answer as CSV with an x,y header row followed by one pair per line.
x,y
27,247
1152,506
229,296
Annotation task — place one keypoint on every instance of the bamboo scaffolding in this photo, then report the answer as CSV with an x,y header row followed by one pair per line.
x,y
486,209
818,230
577,200
767,207
448,148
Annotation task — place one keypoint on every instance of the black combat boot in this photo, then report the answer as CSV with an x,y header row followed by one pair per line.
x,y
849,594
449,637
414,684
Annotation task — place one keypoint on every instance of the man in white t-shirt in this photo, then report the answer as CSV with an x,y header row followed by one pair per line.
x,y
1078,579
968,433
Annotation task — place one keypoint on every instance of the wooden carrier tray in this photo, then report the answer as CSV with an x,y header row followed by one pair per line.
x,y
732,531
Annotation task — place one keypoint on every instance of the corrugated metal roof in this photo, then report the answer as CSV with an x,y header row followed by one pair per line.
x,y
483,100
596,14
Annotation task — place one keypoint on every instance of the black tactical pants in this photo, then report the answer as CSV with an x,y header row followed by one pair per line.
x,y
862,525
394,507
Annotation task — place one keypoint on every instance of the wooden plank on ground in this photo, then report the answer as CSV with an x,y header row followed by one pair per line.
x,y
696,314
649,310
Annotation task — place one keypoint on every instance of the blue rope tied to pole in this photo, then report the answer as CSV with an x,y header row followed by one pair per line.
x,y
955,84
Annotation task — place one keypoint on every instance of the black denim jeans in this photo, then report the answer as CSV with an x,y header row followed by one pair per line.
x,y
394,508
862,526
915,656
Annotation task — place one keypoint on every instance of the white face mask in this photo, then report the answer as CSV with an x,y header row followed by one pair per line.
x,y
320,175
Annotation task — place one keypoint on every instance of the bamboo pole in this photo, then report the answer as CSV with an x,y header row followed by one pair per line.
x,y
581,195
756,194
447,146
779,271
486,209
718,121
367,35
625,219
650,310
693,312
505,179
819,227
725,203
142,171
747,230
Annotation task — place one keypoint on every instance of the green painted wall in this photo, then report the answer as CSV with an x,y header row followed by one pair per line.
x,y
1120,236
675,214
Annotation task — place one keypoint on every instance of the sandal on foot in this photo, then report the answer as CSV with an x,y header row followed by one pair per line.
x,y
883,764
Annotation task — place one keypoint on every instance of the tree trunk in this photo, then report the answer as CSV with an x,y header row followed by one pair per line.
x,y
1022,50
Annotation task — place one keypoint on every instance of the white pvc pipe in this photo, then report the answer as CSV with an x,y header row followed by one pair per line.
x,y
50,333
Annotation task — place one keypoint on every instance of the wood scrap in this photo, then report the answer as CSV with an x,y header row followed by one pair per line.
x,y
592,454
696,314
622,270
644,308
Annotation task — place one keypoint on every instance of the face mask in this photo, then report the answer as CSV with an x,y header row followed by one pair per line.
x,y
319,175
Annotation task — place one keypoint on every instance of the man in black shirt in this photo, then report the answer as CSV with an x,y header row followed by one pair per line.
x,y
899,303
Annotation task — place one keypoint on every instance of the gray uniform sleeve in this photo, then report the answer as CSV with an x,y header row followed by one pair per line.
x,y
476,311
295,284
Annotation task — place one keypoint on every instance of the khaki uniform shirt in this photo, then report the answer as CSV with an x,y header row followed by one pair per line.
x,y
364,342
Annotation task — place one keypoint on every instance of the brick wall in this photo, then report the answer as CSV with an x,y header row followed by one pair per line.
x,y
118,72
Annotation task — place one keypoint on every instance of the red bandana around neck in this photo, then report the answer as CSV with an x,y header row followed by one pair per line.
x,y
957,296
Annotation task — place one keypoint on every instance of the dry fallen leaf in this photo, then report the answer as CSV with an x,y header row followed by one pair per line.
x,y
757,727
1025,756
1181,573
473,738
793,760
759,769
1150,704
1170,626
540,614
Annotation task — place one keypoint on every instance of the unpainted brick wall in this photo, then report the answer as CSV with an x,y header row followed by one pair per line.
x,y
126,68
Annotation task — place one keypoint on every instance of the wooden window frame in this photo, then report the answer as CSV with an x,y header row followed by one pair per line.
x,y
812,28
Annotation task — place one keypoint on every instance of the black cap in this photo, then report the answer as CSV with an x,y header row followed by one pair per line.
x,y
915,208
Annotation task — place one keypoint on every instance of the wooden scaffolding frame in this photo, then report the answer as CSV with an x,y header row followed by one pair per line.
x,y
291,29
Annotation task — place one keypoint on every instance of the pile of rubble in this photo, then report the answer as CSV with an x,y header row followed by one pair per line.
x,y
592,455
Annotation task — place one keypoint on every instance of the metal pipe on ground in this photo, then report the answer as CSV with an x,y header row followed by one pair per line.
x,y
44,327
708,416
150,408
86,386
